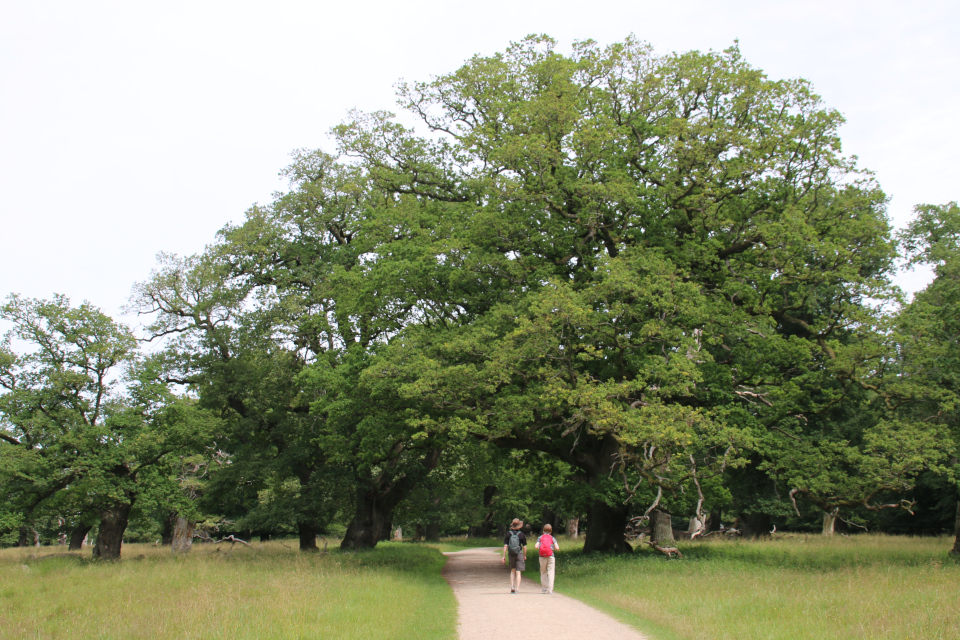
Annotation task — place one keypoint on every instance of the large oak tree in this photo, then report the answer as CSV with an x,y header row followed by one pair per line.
x,y
655,256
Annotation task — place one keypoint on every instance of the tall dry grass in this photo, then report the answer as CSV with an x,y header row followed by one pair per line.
x,y
806,587
256,593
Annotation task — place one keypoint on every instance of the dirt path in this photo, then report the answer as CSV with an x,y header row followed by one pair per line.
x,y
489,610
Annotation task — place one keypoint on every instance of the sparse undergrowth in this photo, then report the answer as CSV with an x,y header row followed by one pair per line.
x,y
875,587
394,591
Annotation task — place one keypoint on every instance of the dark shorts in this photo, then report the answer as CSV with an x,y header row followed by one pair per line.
x,y
518,561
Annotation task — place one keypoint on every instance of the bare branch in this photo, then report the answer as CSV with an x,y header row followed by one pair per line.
x,y
793,499
646,514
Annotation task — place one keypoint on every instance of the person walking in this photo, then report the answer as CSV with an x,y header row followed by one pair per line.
x,y
515,546
546,545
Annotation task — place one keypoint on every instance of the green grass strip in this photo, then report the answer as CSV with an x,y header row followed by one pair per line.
x,y
393,591
869,587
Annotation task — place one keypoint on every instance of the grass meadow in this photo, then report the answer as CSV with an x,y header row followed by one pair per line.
x,y
394,591
794,588
798,588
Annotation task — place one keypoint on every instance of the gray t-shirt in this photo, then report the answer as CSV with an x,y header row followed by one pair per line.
x,y
522,536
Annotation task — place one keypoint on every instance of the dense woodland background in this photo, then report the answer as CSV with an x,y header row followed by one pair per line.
x,y
585,289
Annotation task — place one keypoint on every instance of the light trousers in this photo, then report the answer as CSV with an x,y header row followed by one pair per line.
x,y
548,567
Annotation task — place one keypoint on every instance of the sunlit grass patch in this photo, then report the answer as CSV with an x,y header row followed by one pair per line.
x,y
268,592
792,589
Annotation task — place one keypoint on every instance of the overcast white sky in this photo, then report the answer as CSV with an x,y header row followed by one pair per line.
x,y
128,128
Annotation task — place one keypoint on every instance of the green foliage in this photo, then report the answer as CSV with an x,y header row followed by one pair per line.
x,y
928,329
645,279
85,424
666,262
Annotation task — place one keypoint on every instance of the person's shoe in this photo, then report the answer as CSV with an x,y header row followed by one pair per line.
x,y
544,591
512,590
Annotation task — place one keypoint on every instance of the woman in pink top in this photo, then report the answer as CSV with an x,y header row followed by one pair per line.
x,y
546,544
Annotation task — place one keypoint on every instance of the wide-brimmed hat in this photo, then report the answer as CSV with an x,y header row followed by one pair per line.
x,y
516,524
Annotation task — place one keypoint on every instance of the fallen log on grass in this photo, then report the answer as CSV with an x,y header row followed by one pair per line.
x,y
667,551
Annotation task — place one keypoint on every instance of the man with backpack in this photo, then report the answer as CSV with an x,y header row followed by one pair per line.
x,y
515,546
546,544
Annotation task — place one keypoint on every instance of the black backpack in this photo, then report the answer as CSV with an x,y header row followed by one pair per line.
x,y
513,543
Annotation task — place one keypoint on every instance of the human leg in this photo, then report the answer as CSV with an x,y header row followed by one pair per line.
x,y
551,572
521,565
514,574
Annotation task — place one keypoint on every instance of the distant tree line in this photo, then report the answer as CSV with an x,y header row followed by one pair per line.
x,y
588,288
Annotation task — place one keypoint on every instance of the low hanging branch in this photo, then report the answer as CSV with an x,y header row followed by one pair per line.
x,y
906,505
835,504
652,463
852,524
233,541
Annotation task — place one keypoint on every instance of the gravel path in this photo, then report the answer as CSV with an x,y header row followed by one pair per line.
x,y
489,611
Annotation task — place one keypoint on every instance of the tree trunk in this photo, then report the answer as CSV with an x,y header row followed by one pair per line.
x,y
373,516
166,531
829,521
605,524
486,527
182,539
372,519
307,532
755,525
661,527
547,516
113,522
386,527
78,535
433,527
956,533
605,528
713,520
573,527
372,512
418,533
